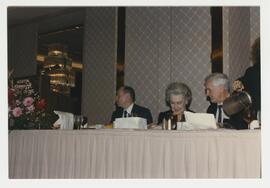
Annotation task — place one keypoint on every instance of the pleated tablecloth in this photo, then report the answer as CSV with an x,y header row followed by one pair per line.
x,y
127,153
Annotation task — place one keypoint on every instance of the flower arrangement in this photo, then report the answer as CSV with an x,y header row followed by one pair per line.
x,y
25,105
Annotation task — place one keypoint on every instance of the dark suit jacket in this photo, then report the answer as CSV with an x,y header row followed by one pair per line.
x,y
137,111
235,121
252,83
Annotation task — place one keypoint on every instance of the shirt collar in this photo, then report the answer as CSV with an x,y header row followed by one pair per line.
x,y
129,109
220,103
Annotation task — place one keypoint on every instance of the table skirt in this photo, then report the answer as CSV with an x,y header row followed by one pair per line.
x,y
126,153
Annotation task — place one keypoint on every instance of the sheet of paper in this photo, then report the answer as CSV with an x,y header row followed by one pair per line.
x,y
130,123
200,120
66,119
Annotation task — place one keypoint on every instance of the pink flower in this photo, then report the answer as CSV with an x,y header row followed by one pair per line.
x,y
28,101
17,112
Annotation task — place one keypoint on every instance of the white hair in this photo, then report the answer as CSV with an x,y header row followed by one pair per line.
x,y
219,79
178,88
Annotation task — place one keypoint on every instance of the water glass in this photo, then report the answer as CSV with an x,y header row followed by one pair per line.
x,y
259,116
78,121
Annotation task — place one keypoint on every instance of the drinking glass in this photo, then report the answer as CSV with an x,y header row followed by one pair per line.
x,y
81,121
259,117
78,119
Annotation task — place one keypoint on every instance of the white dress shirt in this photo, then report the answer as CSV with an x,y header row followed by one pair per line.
x,y
128,109
223,115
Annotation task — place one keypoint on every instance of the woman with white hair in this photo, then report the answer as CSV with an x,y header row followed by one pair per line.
x,y
178,97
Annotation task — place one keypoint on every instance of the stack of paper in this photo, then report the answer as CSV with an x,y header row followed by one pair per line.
x,y
254,124
130,123
195,121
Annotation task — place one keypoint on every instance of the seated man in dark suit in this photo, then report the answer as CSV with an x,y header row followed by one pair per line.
x,y
127,108
217,89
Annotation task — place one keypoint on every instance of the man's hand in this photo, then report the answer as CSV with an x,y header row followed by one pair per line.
x,y
151,126
237,85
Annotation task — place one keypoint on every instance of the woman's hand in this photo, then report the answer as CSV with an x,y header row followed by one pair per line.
x,y
178,116
237,85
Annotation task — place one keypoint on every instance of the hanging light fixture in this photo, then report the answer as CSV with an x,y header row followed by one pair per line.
x,y
58,66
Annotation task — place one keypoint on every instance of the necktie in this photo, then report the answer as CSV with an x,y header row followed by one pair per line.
x,y
219,113
125,114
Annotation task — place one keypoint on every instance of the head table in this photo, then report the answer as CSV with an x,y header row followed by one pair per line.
x,y
130,153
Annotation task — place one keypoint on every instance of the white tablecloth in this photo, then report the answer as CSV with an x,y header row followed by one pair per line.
x,y
111,153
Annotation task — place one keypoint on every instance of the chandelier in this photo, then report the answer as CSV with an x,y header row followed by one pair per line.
x,y
58,66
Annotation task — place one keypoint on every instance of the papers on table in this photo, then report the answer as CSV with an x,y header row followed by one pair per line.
x,y
254,124
195,121
66,120
130,123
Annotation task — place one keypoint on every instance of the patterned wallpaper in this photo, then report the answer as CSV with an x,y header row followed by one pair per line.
x,y
99,64
142,55
164,57
22,49
226,44
165,45
239,41
239,29
254,23
191,49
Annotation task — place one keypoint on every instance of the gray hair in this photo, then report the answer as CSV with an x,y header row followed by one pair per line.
x,y
178,88
219,79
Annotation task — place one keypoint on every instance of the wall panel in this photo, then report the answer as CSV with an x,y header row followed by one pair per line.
x,y
99,64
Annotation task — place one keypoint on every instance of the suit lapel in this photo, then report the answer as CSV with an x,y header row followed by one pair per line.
x,y
120,112
212,109
133,108
134,111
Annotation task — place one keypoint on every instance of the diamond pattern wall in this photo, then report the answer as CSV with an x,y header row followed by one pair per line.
x,y
142,55
191,49
165,45
99,64
164,56
237,37
254,23
225,40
